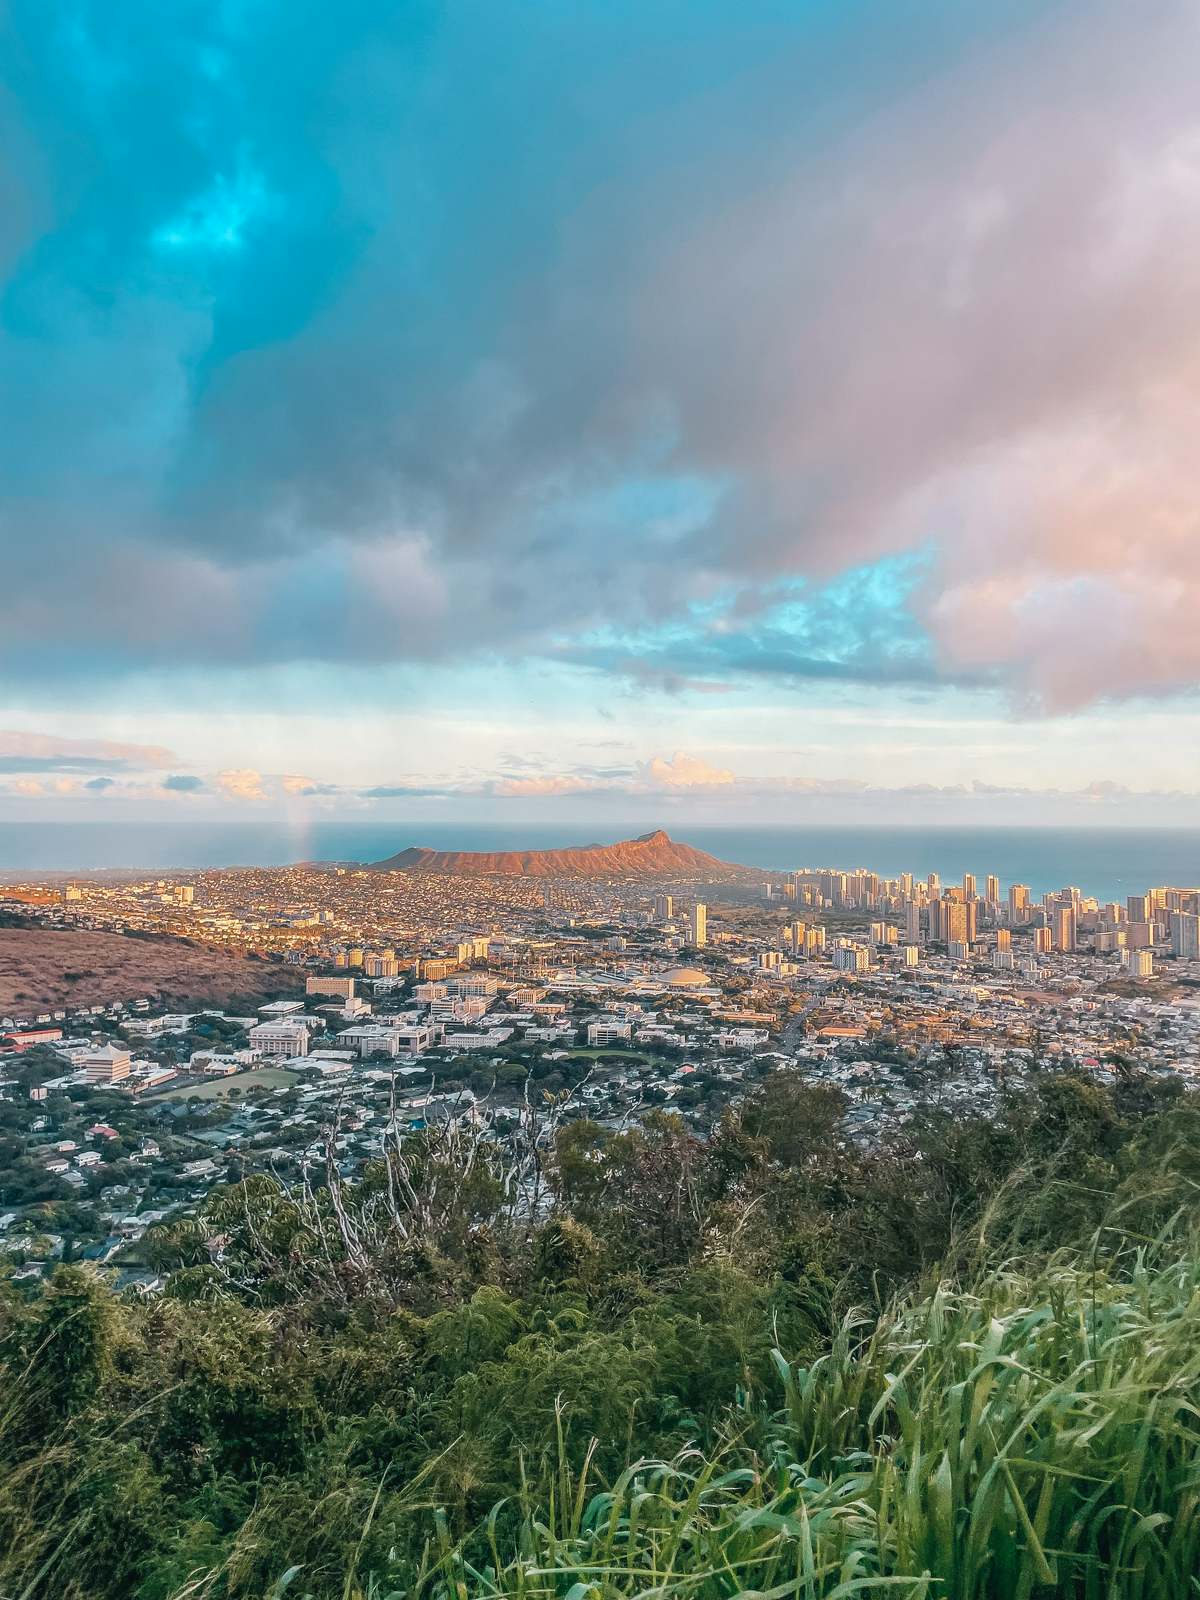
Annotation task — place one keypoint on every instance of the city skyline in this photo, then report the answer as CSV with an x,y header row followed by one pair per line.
x,y
643,415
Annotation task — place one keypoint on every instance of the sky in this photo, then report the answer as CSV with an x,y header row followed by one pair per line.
x,y
613,411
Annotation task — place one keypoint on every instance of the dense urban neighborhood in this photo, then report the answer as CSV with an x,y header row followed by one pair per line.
x,y
392,1001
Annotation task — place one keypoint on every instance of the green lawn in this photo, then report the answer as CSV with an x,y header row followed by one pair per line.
x,y
591,1053
219,1088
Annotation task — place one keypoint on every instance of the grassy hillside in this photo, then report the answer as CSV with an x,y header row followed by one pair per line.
x,y
769,1364
1036,1434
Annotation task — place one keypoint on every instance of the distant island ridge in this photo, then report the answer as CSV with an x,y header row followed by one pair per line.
x,y
651,854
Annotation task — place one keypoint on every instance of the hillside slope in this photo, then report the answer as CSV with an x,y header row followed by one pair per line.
x,y
44,969
652,855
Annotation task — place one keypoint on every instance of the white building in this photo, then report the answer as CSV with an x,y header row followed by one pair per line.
x,y
609,1030
286,1037
372,1039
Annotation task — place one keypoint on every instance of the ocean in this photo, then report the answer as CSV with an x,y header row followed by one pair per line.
x,y
1107,862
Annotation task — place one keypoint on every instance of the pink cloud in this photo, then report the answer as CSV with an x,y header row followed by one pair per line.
x,y
42,747
682,772
975,331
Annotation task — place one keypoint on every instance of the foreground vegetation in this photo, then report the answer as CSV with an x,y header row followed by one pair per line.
x,y
571,1363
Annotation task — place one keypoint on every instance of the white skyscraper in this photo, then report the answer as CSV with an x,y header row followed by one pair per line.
x,y
698,924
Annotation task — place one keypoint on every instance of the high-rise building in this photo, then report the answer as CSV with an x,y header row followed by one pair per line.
x,y
1003,939
1139,908
912,955
1063,927
969,886
1185,935
912,922
852,958
952,919
1043,940
664,907
1018,903
1141,963
993,888
698,924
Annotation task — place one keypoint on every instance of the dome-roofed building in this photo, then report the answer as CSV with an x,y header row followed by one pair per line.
x,y
686,978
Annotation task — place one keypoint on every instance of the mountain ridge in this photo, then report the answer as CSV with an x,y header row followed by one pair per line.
x,y
653,854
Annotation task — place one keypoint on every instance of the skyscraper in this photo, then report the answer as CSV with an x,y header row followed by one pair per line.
x,y
698,924
1018,903
952,921
1063,927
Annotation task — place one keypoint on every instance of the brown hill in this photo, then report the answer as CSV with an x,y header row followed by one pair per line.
x,y
43,969
653,855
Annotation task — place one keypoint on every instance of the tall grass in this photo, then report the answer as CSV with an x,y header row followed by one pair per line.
x,y
1037,1434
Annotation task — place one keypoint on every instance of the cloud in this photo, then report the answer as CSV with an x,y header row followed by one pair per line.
x,y
241,783
99,785
682,772
408,791
39,788
657,774
550,784
760,308
293,784
41,752
183,783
